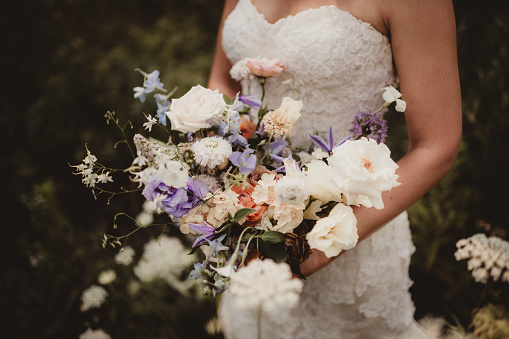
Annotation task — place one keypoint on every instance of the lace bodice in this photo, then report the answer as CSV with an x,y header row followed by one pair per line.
x,y
337,66
335,63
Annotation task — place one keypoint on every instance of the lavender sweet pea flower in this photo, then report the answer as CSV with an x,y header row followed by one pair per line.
x,y
277,146
251,101
245,160
176,201
207,232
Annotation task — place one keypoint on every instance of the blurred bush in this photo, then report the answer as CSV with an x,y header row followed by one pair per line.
x,y
65,63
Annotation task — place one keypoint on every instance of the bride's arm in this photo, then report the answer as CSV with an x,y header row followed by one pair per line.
x,y
220,73
423,40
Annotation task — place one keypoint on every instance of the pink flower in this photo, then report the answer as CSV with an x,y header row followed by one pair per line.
x,y
265,67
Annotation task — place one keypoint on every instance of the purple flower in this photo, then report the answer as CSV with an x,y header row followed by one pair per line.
x,y
318,141
277,146
206,231
152,82
370,125
176,201
251,101
245,160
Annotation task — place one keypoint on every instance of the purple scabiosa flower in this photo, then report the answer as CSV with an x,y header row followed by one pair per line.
x,y
370,125
175,201
245,160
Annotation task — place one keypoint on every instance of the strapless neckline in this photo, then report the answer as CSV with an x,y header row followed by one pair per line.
x,y
305,12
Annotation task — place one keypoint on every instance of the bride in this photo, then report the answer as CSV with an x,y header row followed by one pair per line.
x,y
338,55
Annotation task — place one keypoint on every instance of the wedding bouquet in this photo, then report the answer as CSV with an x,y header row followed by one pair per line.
x,y
228,177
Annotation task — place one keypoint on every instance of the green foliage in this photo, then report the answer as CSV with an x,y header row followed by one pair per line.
x,y
68,62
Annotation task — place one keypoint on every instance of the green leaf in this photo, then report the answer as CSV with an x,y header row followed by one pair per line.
x,y
275,252
246,237
273,237
242,213
227,99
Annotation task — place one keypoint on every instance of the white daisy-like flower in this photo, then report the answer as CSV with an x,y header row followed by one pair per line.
x,y
487,257
265,284
94,334
106,277
125,256
211,151
291,190
93,297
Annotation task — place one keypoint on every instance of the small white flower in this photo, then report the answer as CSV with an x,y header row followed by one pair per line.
x,y
487,257
291,191
151,122
107,277
390,95
104,178
265,284
93,297
319,154
94,334
89,159
336,232
211,151
171,172
125,256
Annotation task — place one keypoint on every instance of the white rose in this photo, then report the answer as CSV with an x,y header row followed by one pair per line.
x,y
363,167
291,108
334,233
191,112
318,182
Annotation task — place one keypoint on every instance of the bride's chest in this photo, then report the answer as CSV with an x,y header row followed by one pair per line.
x,y
323,40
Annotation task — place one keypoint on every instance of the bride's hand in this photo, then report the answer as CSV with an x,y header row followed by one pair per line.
x,y
316,261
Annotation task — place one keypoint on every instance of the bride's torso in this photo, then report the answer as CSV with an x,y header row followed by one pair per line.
x,y
335,63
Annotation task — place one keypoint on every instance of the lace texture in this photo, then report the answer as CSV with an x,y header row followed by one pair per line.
x,y
337,65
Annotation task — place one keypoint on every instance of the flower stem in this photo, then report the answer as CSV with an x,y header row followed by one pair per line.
x,y
259,320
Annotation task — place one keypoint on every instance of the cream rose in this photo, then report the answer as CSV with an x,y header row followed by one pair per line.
x,y
335,233
363,167
192,111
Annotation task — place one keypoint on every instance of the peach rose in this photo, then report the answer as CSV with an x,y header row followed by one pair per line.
x,y
246,200
247,127
264,67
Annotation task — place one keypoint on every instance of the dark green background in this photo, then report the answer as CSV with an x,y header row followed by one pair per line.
x,y
65,63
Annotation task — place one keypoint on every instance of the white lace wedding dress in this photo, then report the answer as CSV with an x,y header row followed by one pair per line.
x,y
337,66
